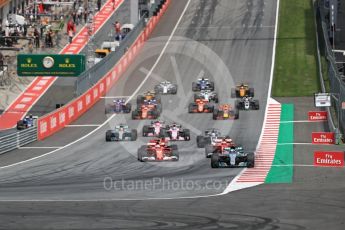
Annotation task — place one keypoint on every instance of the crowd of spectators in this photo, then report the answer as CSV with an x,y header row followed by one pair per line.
x,y
40,26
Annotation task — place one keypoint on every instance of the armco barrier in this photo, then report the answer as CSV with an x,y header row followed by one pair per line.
x,y
14,140
57,120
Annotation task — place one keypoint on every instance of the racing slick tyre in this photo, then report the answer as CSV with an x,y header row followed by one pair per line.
x,y
251,92
134,135
163,133
108,136
146,130
215,160
215,114
155,114
200,141
256,105
233,93
208,149
212,86
236,114
141,152
158,89
108,110
176,154
135,115
186,134
191,108
250,160
216,99
127,108
210,108
174,90
21,125
195,87
140,100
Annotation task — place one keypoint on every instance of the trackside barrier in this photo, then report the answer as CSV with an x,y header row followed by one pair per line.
x,y
57,120
319,38
330,72
17,139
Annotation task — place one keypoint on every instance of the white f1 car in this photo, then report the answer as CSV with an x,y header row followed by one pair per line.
x,y
208,138
166,87
175,132
121,133
207,95
247,103
154,129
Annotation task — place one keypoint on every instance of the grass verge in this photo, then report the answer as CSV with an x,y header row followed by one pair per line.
x,y
295,71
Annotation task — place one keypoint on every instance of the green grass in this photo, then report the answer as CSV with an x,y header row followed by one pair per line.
x,y
295,71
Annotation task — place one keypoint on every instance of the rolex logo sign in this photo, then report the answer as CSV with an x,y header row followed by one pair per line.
x,y
28,64
67,64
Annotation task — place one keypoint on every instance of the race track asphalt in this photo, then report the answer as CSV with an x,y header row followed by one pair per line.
x,y
228,41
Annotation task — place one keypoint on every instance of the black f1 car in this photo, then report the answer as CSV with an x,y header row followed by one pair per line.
x,y
232,157
203,84
166,87
247,103
121,133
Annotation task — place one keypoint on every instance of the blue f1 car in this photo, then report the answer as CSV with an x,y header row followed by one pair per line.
x,y
118,106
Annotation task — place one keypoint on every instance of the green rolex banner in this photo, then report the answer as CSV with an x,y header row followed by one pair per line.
x,y
62,65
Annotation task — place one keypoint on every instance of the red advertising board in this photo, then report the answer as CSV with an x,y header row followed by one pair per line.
x,y
317,115
58,119
331,159
323,138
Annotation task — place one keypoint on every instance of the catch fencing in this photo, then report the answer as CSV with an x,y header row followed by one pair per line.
x,y
329,69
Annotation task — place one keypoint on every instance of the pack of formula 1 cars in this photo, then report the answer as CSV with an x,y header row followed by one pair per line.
x,y
222,150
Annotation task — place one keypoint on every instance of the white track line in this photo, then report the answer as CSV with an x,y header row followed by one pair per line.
x,y
112,116
300,143
154,76
86,125
304,165
301,121
43,147
114,97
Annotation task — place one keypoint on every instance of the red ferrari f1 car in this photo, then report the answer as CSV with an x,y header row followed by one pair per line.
x,y
158,150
